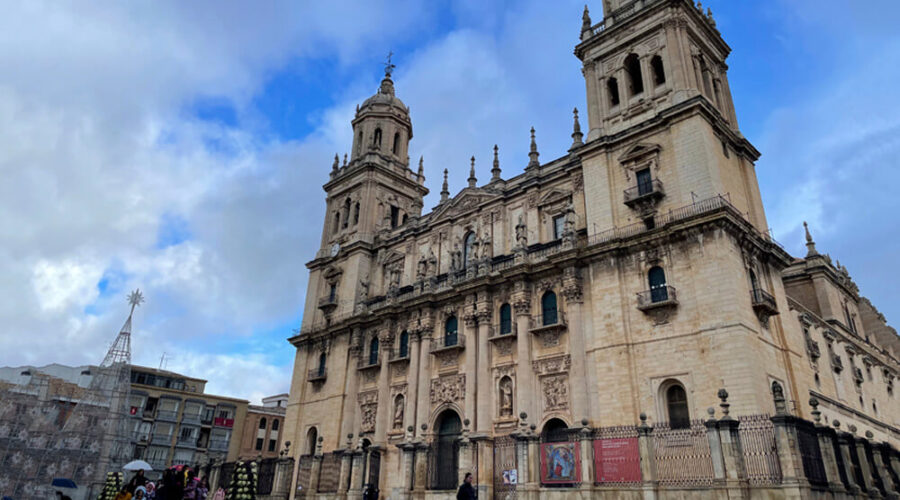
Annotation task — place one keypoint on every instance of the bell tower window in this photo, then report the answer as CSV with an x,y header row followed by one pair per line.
x,y
612,87
396,148
376,139
635,78
395,216
659,74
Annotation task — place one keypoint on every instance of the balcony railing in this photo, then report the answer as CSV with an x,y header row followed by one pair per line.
x,y
396,355
190,418
763,300
448,342
140,437
548,320
218,444
190,442
498,331
649,190
162,438
317,374
328,303
169,415
657,297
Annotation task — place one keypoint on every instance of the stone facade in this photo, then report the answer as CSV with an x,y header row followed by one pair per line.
x,y
633,275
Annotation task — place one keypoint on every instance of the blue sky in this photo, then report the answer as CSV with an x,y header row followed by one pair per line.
x,y
181,148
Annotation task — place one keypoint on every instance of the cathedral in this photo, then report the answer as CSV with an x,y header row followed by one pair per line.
x,y
624,300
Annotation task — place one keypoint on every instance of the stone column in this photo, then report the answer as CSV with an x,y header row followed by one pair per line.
x,y
316,467
593,98
423,405
572,291
484,397
421,468
410,415
648,459
408,451
845,443
826,444
351,384
281,483
485,464
382,415
881,468
527,395
534,463
465,458
786,444
586,441
864,466
715,447
345,474
732,451
356,473
470,354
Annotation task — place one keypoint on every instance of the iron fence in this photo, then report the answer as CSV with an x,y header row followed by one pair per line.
x,y
683,455
330,473
506,474
304,472
811,454
757,434
266,476
443,464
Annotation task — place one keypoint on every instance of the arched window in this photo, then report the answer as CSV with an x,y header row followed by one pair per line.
x,y
356,214
677,407
275,424
404,344
659,292
446,458
404,219
262,423
346,213
635,79
468,249
612,88
451,332
505,319
376,138
549,313
373,351
359,143
337,221
321,369
396,147
659,74
555,431
754,282
311,436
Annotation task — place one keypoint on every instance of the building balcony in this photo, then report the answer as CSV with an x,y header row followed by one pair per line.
x,y
399,357
656,298
218,444
167,415
548,321
328,304
454,342
186,443
140,437
318,374
190,418
763,302
499,332
644,192
163,439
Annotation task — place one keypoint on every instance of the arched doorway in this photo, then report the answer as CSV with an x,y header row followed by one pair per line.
x,y
372,467
445,453
311,437
555,431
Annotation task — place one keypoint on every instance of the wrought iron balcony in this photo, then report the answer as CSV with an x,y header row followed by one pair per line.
x,y
317,374
644,191
456,341
500,331
548,320
328,303
763,302
663,296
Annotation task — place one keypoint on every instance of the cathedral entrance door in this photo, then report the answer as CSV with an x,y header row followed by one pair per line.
x,y
446,451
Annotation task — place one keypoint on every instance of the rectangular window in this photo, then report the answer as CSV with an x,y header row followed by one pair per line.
x,y
644,182
395,216
559,223
272,445
259,443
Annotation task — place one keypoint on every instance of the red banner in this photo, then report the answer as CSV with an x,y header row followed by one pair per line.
x,y
224,422
617,460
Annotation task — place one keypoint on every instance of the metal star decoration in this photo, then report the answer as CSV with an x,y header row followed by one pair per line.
x,y
135,298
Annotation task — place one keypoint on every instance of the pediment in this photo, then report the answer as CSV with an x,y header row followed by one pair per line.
x,y
467,200
638,151
389,257
554,196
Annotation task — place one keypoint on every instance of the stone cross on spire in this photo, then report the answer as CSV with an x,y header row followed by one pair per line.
x,y
495,170
388,66
472,180
533,163
810,244
445,190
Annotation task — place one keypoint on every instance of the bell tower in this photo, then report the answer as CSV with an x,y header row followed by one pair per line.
x,y
659,100
374,193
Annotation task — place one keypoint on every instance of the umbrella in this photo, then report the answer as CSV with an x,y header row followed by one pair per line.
x,y
137,465
63,482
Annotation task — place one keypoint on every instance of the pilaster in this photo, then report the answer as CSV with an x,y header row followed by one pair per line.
x,y
484,386
648,459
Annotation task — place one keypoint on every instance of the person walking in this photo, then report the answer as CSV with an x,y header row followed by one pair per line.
x,y
466,491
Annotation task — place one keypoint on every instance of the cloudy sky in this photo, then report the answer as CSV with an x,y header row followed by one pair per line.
x,y
180,147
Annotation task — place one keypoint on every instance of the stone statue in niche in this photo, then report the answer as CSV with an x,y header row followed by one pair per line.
x,y
506,397
395,276
422,268
432,263
364,287
398,412
455,258
486,248
521,234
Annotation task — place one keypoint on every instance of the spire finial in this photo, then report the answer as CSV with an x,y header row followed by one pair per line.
x,y
345,160
421,172
576,132
585,20
810,244
472,180
495,170
135,298
533,154
388,65
334,166
445,190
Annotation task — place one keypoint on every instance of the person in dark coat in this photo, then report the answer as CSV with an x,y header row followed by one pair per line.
x,y
466,491
137,480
